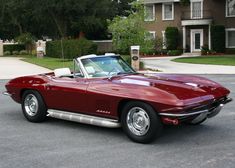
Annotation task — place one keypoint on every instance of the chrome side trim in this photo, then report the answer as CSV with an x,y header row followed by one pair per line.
x,y
6,93
82,118
183,115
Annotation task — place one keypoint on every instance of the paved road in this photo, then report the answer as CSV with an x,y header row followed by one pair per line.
x,y
59,144
167,66
11,67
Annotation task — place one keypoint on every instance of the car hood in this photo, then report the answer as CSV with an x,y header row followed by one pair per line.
x,y
184,87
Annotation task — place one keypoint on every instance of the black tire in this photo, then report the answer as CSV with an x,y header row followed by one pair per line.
x,y
152,130
39,112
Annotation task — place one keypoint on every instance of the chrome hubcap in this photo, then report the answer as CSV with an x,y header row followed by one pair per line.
x,y
138,121
31,105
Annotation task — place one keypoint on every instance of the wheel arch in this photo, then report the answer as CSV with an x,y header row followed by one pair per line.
x,y
26,89
123,102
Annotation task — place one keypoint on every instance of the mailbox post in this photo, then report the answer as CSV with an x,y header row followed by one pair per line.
x,y
135,57
1,48
41,48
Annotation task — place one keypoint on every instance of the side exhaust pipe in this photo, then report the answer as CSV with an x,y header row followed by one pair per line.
x,y
82,118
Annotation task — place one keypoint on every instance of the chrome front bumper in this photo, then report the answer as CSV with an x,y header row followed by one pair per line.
x,y
6,93
211,112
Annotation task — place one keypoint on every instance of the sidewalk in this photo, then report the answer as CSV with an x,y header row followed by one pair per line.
x,y
11,67
165,65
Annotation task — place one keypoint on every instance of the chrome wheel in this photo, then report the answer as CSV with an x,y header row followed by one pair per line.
x,y
31,105
138,121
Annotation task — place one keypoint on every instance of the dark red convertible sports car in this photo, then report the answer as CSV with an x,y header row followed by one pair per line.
x,y
105,91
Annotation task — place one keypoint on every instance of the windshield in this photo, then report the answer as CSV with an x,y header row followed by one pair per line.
x,y
106,66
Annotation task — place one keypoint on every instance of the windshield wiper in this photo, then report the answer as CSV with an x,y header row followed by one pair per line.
x,y
126,73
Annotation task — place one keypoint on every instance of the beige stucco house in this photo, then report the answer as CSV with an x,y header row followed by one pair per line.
x,y
193,20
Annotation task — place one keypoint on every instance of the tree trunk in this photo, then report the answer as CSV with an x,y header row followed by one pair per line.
x,y
61,26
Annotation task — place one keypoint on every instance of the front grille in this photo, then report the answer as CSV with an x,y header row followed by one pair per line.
x,y
213,104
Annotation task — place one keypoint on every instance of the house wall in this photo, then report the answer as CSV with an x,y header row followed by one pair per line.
x,y
214,9
218,10
160,25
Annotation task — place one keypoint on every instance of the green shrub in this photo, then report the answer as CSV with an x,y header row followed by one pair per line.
x,y
23,52
27,39
141,65
13,47
172,38
204,50
127,58
218,38
163,52
15,52
230,51
71,48
7,53
174,52
150,52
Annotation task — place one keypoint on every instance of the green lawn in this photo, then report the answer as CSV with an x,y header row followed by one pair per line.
x,y
50,63
53,63
212,60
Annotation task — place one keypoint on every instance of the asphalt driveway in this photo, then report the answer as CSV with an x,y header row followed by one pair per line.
x,y
57,143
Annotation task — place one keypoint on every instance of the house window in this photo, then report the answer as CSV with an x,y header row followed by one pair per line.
x,y
230,8
151,35
149,12
230,38
196,9
163,40
168,11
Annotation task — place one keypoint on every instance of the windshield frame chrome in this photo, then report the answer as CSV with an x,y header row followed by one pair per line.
x,y
83,70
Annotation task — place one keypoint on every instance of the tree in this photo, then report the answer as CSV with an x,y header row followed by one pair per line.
x,y
56,19
28,40
127,31
122,7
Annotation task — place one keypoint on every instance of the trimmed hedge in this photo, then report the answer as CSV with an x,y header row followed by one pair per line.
x,y
172,38
218,38
72,48
13,47
174,52
230,51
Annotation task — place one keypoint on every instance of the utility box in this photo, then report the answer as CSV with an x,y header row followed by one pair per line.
x,y
135,57
1,48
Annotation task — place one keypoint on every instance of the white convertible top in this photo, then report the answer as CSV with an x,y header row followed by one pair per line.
x,y
94,55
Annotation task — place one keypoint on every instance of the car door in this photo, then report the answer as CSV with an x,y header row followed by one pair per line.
x,y
68,94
